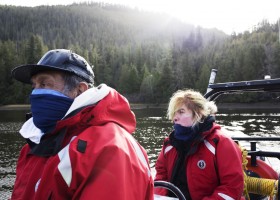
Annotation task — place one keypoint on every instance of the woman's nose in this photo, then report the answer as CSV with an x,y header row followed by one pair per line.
x,y
175,119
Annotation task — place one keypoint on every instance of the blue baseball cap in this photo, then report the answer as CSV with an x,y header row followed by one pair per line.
x,y
56,60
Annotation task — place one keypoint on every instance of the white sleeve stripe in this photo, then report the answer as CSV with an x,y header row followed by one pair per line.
x,y
224,196
167,149
210,147
64,165
139,153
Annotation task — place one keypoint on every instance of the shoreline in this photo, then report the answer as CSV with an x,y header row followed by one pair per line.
x,y
221,106
253,106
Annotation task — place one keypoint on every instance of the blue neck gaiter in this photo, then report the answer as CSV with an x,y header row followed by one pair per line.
x,y
47,107
183,133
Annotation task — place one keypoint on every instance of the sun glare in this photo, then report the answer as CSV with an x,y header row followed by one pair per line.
x,y
228,16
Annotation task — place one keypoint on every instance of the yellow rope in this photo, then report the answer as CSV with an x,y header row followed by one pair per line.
x,y
255,185
244,165
261,186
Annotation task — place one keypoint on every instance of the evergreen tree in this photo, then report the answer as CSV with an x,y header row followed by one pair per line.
x,y
35,49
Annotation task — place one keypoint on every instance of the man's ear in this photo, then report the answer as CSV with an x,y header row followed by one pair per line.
x,y
83,86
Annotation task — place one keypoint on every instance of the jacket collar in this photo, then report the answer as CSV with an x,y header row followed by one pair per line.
x,y
91,96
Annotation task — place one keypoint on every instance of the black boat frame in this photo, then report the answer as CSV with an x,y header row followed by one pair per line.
x,y
214,90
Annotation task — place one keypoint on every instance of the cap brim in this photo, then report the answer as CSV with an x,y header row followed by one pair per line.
x,y
24,73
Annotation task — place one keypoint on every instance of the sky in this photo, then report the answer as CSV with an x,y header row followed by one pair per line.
x,y
229,16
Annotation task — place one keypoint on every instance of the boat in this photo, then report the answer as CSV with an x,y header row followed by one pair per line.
x,y
261,179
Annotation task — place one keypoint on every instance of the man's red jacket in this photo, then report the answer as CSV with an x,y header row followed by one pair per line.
x,y
90,155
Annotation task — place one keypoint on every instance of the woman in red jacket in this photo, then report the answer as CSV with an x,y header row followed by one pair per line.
x,y
197,157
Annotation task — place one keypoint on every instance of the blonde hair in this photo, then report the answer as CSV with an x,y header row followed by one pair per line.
x,y
194,101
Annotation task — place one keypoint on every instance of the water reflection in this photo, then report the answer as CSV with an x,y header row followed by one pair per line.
x,y
254,123
10,145
152,128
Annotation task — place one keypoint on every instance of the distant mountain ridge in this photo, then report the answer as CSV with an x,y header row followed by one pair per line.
x,y
86,23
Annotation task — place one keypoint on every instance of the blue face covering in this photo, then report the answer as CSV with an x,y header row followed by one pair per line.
x,y
48,107
183,133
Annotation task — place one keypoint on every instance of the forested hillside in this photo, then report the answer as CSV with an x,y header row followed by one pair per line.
x,y
144,55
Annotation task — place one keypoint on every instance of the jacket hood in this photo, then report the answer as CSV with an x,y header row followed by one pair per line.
x,y
114,108
212,130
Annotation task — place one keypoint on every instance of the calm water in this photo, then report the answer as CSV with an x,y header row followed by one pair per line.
x,y
152,128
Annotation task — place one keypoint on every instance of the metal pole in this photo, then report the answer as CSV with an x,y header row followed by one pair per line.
x,y
279,29
212,78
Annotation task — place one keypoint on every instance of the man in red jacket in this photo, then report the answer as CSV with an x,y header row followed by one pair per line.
x,y
79,142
